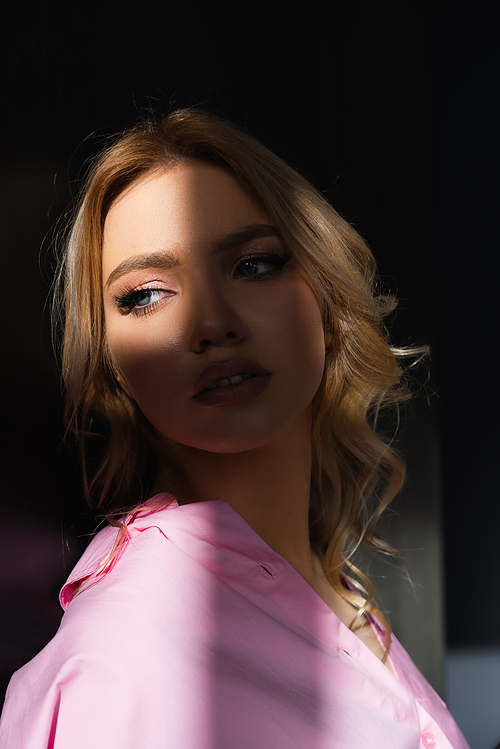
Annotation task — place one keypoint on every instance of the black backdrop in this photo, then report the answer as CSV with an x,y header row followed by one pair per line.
x,y
388,106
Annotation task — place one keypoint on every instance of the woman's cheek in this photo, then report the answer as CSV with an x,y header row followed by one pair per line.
x,y
146,370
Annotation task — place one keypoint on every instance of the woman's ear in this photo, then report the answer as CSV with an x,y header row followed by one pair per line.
x,y
329,333
328,320
123,384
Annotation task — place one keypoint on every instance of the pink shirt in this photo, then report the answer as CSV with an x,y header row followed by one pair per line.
x,y
202,637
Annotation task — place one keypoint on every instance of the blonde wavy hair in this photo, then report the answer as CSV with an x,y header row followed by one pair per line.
x,y
356,472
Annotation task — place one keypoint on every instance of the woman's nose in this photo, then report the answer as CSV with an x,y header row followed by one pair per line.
x,y
215,322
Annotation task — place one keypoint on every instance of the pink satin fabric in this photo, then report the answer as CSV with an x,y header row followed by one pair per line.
x,y
200,636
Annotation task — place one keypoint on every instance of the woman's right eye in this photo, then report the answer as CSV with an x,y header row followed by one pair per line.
x,y
140,301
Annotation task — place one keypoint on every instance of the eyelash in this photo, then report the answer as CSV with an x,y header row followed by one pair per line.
x,y
127,300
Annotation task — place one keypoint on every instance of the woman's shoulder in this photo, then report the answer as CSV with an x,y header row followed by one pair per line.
x,y
111,597
110,651
109,544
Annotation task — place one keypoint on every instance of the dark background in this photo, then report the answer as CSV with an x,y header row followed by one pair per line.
x,y
388,107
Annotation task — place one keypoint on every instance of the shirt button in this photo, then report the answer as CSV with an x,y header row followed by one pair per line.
x,y
428,740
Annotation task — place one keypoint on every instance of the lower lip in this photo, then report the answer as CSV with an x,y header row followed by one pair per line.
x,y
234,393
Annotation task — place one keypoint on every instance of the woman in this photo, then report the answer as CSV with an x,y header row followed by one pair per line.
x,y
223,334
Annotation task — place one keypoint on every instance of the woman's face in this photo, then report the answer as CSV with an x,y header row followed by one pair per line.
x,y
214,331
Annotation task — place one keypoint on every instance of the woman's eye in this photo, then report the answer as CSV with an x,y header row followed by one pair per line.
x,y
142,300
261,266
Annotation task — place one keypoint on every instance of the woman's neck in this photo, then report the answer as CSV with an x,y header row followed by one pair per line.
x,y
268,486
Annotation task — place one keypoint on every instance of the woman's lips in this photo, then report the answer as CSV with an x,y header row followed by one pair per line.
x,y
230,382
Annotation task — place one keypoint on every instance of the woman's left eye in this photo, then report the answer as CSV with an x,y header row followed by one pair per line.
x,y
269,266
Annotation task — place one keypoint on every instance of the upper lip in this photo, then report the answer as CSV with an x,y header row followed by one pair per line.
x,y
222,370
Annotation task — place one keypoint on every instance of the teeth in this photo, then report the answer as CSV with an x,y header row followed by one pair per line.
x,y
224,383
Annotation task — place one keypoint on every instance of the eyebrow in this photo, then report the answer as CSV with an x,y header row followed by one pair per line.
x,y
165,259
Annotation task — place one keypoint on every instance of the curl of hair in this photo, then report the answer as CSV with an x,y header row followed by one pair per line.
x,y
356,472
